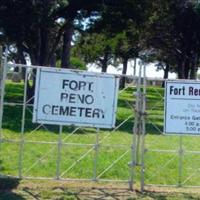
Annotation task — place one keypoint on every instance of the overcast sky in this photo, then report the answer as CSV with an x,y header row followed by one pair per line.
x,y
150,70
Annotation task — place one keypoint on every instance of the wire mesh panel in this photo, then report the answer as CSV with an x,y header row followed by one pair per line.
x,y
170,160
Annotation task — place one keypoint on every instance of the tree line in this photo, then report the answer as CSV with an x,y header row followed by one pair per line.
x,y
72,33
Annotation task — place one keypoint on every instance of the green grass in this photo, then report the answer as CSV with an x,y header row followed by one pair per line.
x,y
39,159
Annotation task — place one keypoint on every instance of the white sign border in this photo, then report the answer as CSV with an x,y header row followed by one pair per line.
x,y
69,71
165,108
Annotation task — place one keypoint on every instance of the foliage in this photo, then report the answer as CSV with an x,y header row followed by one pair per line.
x,y
77,63
95,48
109,30
173,30
115,35
38,28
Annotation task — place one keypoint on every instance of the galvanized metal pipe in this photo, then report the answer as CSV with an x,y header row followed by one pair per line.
x,y
21,148
59,152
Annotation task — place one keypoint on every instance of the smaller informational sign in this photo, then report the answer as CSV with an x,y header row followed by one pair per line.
x,y
68,97
182,107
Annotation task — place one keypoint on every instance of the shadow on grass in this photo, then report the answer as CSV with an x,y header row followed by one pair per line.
x,y
14,92
126,127
153,129
165,195
12,121
112,193
6,189
124,103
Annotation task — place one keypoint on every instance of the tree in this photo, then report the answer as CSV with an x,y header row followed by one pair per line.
x,y
95,48
174,31
123,24
36,27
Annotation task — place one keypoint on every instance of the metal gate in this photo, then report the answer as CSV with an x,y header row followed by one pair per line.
x,y
170,160
39,151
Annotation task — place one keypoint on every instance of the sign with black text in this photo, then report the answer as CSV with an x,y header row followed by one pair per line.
x,y
68,97
182,107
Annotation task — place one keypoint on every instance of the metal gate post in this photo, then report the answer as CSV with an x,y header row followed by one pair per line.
x,y
135,132
96,148
59,152
180,162
1,67
143,128
1,93
21,148
3,73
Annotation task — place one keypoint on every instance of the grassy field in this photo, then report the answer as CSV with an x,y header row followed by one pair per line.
x,y
40,149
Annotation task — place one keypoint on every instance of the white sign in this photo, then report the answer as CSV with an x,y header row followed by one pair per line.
x,y
182,107
67,97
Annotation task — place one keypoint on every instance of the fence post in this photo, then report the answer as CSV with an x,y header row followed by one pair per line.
x,y
96,148
1,94
143,129
21,147
180,167
135,132
3,66
59,152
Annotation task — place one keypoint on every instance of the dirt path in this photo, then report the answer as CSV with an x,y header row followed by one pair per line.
x,y
57,190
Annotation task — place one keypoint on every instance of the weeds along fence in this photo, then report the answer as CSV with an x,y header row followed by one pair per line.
x,y
134,152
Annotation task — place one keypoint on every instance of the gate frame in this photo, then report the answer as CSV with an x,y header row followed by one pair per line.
x,y
94,147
